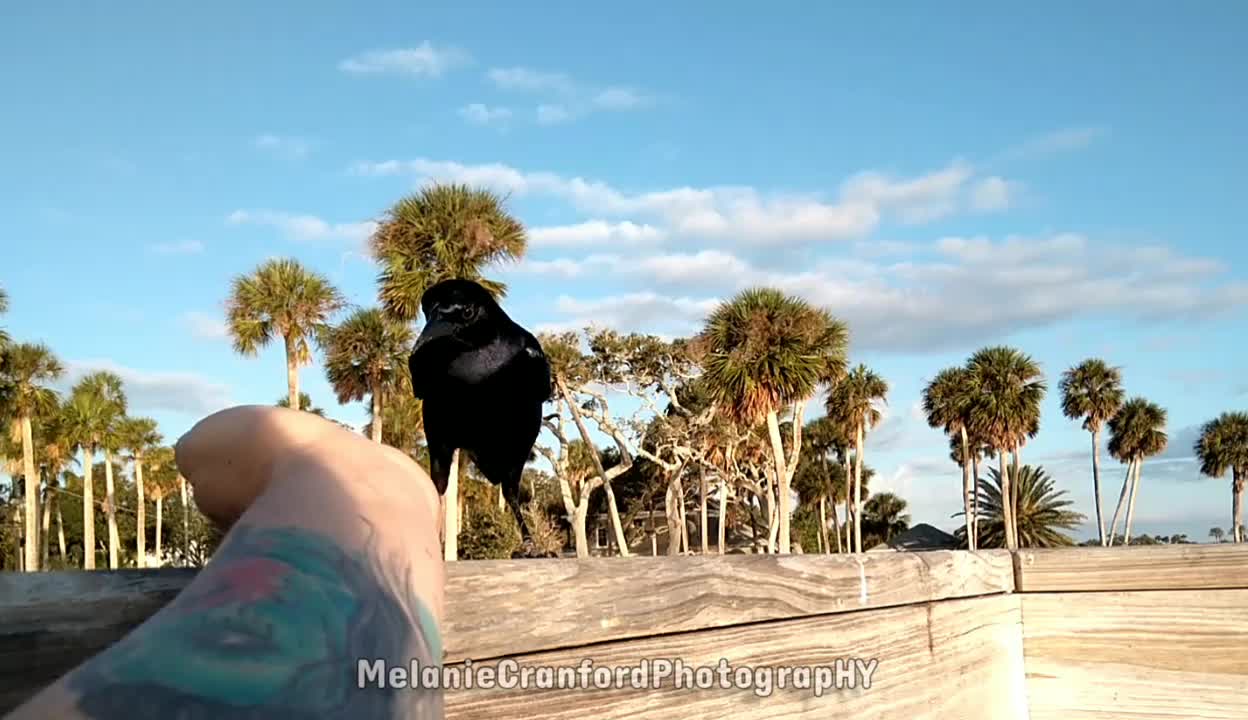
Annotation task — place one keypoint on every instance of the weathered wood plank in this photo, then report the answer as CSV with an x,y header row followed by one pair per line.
x,y
508,607
1149,567
1137,655
954,659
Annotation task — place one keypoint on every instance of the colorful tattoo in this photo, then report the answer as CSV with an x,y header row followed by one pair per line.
x,y
274,628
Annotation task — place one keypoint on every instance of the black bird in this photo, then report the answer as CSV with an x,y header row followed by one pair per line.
x,y
483,380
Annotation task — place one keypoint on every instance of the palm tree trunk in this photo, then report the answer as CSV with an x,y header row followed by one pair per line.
x,y
45,537
88,508
32,496
975,494
858,489
60,531
1017,457
376,398
114,537
823,525
186,520
502,500
672,500
967,510
160,503
782,480
450,512
1007,491
702,488
612,510
140,512
1135,486
1096,483
1237,504
292,374
836,526
721,526
1122,501
849,502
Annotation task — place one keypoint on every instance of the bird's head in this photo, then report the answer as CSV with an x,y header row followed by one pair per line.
x,y
459,310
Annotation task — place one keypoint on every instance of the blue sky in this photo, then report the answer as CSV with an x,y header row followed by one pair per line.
x,y
1067,179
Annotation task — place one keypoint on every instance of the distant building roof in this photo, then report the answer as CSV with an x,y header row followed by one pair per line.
x,y
920,537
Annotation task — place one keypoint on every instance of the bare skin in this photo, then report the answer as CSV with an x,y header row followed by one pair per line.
x,y
331,557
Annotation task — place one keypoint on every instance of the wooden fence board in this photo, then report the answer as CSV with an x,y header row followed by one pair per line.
x,y
1137,655
954,659
1148,567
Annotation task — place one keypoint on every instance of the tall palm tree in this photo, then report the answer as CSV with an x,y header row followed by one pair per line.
x,y
765,351
281,299
1009,388
86,416
139,436
856,399
441,232
108,387
363,356
164,482
25,369
1093,391
305,404
402,419
57,449
1137,431
947,401
1223,444
884,517
1042,510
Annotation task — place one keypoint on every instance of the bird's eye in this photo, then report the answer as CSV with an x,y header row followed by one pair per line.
x,y
470,312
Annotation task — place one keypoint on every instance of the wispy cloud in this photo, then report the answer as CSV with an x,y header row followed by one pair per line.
x,y
594,232
481,114
178,247
303,227
204,326
565,99
1058,141
424,60
729,212
154,391
286,145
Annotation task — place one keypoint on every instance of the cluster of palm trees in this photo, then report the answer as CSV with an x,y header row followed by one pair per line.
x,y
48,433
763,356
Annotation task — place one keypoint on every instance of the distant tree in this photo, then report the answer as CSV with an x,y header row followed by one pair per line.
x,y
305,404
1092,391
365,355
1223,445
884,517
1218,534
1137,431
1043,511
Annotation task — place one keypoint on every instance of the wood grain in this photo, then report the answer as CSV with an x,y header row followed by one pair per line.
x,y
1135,567
1137,655
954,659
500,608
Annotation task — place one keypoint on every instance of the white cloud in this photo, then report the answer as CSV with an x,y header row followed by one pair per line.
x,y
633,310
152,391
180,247
480,114
953,301
594,232
1065,140
992,194
553,114
304,227
620,98
294,147
423,60
205,326
530,80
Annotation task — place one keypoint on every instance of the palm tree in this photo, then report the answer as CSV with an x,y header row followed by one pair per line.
x,y
57,450
441,232
1137,431
364,356
764,351
855,400
108,387
1042,510
164,482
884,517
305,404
947,401
1093,391
26,368
86,418
402,419
1005,412
139,435
1217,533
281,298
1223,444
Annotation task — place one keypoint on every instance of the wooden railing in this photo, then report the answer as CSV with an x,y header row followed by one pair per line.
x,y
1121,633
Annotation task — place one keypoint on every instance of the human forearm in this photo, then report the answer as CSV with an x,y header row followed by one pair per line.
x,y
336,562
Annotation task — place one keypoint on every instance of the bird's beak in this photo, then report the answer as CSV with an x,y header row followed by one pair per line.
x,y
435,329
